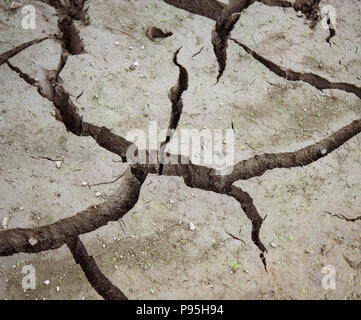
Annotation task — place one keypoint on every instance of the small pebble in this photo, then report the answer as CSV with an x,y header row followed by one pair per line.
x,y
84,183
273,245
58,164
33,241
192,227
323,151
98,194
117,43
46,282
57,289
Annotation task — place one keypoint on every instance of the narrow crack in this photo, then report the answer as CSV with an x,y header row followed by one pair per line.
x,y
252,214
332,31
96,278
221,33
4,57
277,3
353,264
310,78
211,9
175,97
341,216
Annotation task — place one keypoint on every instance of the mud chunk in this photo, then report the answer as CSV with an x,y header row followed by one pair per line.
x,y
156,33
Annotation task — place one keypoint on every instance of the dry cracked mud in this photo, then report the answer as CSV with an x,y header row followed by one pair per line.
x,y
96,226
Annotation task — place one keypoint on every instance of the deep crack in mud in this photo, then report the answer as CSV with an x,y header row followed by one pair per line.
x,y
67,231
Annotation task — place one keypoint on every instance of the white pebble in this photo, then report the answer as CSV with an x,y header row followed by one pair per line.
x,y
84,183
98,194
117,43
58,164
323,151
191,226
33,241
46,282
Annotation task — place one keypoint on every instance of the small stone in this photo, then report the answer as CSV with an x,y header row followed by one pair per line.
x,y
58,164
136,63
273,245
57,289
142,47
21,208
33,241
323,151
5,223
103,246
46,282
98,194
192,227
299,13
117,43
84,183
171,201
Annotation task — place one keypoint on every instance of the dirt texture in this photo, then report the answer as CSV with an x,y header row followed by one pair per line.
x,y
97,226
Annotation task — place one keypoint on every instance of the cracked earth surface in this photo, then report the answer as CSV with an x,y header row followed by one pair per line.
x,y
289,90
